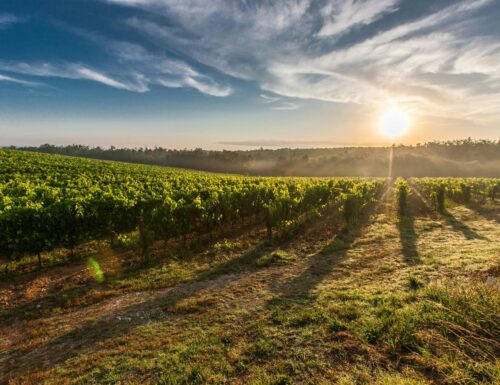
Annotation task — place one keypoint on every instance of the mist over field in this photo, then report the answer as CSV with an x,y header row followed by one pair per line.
x,y
460,158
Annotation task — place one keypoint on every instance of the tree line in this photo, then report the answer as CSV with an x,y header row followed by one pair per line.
x,y
455,158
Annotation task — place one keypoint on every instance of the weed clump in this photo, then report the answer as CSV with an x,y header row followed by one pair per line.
x,y
277,257
414,283
336,325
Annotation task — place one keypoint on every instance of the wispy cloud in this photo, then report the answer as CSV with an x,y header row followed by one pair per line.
x,y
7,19
27,83
139,78
266,99
72,71
342,15
431,56
289,48
261,17
278,104
286,106
138,67
167,72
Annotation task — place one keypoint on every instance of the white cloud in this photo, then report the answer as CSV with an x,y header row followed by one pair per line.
x,y
206,86
160,71
291,49
89,74
342,15
278,104
6,20
277,44
269,98
9,79
279,55
286,106
262,17
73,71
145,68
167,72
481,56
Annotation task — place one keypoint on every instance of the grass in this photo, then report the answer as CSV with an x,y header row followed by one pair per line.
x,y
10,269
275,257
414,283
320,307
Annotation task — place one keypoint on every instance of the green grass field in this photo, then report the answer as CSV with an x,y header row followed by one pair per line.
x,y
391,301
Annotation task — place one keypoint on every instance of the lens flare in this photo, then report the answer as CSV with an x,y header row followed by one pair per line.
x,y
96,269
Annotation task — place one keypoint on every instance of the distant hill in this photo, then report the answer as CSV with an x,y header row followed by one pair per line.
x,y
466,157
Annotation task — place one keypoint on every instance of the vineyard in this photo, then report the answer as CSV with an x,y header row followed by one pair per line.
x,y
116,273
52,201
459,190
438,190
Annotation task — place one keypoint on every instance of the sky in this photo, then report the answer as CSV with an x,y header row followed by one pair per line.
x,y
246,73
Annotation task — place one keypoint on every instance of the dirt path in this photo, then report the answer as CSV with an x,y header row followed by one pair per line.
x,y
29,342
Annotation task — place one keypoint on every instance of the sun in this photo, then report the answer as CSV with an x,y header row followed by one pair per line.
x,y
394,122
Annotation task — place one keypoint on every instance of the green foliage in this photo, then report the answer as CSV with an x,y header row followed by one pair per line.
x,y
51,201
355,197
263,348
337,325
307,316
465,192
402,192
128,241
461,190
438,197
414,283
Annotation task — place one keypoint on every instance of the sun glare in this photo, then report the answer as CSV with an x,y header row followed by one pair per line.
x,y
394,122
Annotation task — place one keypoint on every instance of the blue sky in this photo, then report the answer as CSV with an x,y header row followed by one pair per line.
x,y
229,73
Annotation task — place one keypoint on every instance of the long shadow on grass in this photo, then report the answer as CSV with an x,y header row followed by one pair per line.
x,y
406,226
294,304
460,226
487,213
75,297
322,264
408,238
42,307
117,323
